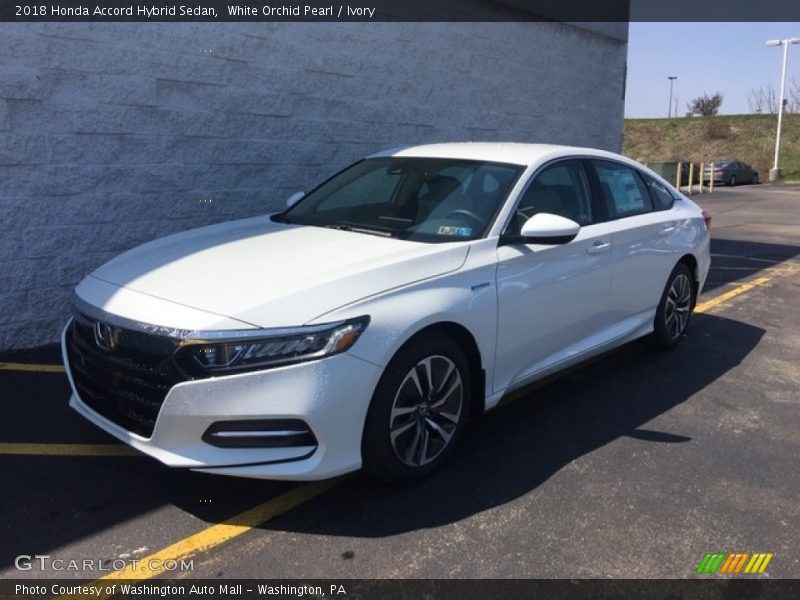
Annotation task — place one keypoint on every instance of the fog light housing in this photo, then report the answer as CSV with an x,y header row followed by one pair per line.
x,y
260,433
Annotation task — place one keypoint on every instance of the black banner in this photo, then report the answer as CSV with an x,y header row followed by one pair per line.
x,y
393,10
712,588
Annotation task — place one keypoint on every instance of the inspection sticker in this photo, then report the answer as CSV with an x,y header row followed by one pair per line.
x,y
452,230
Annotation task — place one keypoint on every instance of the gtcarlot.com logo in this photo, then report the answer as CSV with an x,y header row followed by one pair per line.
x,y
45,562
734,563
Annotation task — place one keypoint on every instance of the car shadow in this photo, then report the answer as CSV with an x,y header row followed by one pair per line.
x,y
506,454
511,451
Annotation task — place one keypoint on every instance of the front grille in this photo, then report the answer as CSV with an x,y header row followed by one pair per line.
x,y
126,384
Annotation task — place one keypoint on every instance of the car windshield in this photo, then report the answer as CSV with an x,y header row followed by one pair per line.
x,y
420,199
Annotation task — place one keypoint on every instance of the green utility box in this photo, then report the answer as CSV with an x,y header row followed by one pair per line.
x,y
669,169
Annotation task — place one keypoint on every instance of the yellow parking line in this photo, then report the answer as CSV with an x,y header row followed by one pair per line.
x,y
150,566
722,298
4,366
227,530
68,449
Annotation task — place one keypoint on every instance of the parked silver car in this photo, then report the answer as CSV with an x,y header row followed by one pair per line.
x,y
730,172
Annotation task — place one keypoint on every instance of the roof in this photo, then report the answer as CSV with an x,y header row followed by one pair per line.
x,y
504,152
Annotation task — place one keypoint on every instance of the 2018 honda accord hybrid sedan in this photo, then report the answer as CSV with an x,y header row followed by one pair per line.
x,y
364,324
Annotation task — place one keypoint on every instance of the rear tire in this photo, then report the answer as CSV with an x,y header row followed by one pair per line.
x,y
413,426
732,181
755,178
675,308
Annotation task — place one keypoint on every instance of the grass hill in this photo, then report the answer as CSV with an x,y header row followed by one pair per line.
x,y
748,138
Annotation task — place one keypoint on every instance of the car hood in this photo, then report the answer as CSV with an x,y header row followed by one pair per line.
x,y
269,274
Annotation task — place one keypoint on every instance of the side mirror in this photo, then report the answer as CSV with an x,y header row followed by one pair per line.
x,y
546,228
294,199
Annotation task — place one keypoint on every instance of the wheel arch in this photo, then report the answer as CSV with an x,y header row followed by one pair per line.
x,y
467,342
691,262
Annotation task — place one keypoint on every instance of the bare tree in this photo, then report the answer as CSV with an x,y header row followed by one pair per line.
x,y
706,105
763,99
793,96
756,100
772,99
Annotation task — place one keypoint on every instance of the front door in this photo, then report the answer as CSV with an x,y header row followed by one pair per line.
x,y
552,298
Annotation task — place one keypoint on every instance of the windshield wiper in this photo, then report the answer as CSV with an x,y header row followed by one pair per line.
x,y
344,226
373,231
282,218
359,229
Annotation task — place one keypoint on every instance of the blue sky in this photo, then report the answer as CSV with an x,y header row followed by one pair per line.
x,y
731,58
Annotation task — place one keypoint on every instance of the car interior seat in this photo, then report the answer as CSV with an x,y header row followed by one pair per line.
x,y
570,204
441,196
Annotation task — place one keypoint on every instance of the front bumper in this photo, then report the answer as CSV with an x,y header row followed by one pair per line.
x,y
330,395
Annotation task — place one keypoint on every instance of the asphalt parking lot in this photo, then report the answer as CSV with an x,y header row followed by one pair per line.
x,y
633,466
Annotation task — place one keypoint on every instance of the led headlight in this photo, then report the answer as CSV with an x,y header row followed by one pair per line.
x,y
274,348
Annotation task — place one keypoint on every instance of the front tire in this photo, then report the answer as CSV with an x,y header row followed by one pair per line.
x,y
418,411
675,308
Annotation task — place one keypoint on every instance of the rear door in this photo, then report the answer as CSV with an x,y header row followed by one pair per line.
x,y
738,171
645,240
748,173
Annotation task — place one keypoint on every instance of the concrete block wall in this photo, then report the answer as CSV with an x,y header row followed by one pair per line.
x,y
113,134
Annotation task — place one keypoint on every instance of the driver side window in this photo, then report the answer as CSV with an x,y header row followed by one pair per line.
x,y
561,189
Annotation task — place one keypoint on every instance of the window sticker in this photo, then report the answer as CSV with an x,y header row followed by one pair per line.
x,y
452,230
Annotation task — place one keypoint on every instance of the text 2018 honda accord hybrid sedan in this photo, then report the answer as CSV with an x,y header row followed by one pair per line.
x,y
363,325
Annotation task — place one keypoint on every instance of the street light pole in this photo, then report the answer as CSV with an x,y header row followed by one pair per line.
x,y
775,172
671,78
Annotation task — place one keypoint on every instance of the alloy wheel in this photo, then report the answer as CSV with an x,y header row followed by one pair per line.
x,y
426,411
678,306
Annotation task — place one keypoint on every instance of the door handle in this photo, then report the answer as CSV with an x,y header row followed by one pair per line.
x,y
598,247
667,230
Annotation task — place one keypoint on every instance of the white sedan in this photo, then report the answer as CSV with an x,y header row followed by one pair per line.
x,y
367,322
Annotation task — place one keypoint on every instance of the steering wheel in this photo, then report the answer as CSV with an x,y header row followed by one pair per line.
x,y
462,212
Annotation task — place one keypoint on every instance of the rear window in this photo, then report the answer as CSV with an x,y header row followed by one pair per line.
x,y
659,193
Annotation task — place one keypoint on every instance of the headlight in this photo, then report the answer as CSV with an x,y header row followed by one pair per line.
x,y
276,348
